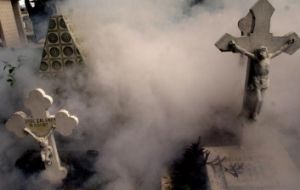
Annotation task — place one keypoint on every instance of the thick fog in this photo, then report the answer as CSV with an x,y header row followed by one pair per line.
x,y
155,83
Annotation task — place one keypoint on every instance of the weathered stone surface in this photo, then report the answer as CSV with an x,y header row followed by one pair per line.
x,y
256,36
266,166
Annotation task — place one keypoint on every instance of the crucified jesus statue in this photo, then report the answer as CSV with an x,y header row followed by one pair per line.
x,y
46,148
259,81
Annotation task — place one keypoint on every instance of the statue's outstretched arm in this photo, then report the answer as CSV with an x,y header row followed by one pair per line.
x,y
32,134
283,48
50,132
236,48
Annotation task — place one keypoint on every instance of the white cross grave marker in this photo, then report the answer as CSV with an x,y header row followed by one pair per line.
x,y
260,46
40,125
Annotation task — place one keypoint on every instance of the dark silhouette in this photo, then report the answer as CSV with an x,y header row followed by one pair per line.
x,y
39,15
81,166
195,2
189,172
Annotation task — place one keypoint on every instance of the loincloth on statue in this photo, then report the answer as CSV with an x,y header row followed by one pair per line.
x,y
259,82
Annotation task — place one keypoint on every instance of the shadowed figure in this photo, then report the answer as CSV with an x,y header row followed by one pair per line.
x,y
259,81
39,15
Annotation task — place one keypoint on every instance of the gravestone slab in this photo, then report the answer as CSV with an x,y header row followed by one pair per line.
x,y
263,170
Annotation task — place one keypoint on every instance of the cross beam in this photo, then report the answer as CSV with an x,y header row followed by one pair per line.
x,y
256,25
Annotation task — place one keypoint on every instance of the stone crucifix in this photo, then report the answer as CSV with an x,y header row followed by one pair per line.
x,y
260,46
41,126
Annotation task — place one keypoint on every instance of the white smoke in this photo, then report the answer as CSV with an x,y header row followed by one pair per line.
x,y
155,81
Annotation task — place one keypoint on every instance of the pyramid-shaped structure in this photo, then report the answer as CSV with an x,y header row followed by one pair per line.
x,y
60,50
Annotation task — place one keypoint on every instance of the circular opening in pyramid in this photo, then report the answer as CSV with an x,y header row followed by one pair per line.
x,y
69,63
44,66
68,51
54,52
62,24
52,24
56,65
52,38
66,37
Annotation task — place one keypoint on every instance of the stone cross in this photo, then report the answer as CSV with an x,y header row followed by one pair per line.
x,y
40,125
259,45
